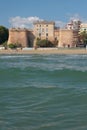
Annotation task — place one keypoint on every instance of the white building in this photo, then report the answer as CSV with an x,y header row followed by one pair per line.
x,y
83,27
74,25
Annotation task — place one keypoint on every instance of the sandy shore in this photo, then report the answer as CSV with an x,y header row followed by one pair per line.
x,y
47,51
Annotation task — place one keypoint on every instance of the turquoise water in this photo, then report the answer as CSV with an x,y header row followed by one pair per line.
x,y
43,92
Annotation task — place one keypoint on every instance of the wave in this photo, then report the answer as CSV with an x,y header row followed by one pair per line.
x,y
36,66
44,62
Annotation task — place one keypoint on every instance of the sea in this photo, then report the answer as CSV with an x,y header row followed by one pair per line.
x,y
43,92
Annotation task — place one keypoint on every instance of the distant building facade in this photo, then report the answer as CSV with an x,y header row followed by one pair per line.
x,y
45,30
83,27
74,25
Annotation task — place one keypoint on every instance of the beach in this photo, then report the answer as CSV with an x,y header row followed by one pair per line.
x,y
46,51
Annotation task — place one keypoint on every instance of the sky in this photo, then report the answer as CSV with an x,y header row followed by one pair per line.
x,y
22,13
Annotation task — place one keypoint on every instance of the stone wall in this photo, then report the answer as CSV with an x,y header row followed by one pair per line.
x,y
67,38
20,36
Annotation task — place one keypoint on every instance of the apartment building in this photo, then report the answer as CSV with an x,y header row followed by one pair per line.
x,y
44,30
74,25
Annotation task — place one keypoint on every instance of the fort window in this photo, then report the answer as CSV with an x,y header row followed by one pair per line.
x,y
46,29
42,29
46,34
55,38
39,34
47,25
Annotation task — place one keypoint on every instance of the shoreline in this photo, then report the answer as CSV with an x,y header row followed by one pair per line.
x,y
46,51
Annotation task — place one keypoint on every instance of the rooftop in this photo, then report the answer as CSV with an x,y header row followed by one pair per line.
x,y
44,22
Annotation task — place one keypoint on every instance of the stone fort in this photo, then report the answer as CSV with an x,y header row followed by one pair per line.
x,y
67,37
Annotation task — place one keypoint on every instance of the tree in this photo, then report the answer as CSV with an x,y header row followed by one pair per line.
x,y
83,37
3,34
5,44
44,43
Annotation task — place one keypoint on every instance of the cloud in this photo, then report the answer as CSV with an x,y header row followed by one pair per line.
x,y
23,22
27,22
70,17
60,24
75,17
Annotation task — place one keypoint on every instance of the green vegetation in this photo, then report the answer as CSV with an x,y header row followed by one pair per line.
x,y
83,38
3,34
5,44
44,43
14,45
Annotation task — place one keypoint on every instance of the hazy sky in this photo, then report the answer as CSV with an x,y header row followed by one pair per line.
x,y
23,13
